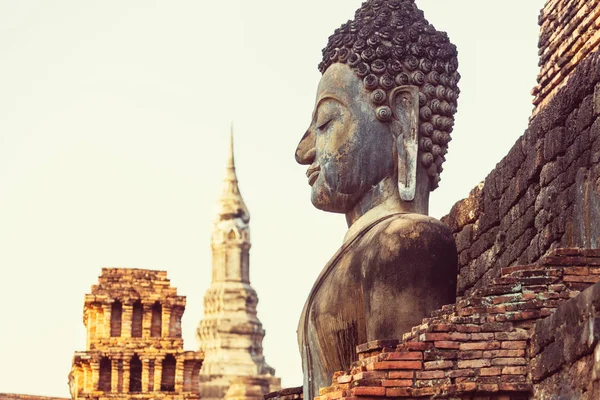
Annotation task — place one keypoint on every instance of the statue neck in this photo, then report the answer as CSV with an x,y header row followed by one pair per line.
x,y
383,199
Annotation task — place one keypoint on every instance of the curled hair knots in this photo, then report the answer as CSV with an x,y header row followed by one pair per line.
x,y
384,113
387,82
378,66
426,129
427,159
425,144
378,96
371,82
343,54
402,79
417,78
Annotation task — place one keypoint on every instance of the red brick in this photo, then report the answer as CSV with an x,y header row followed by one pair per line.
x,y
515,387
470,355
520,334
474,363
405,355
382,365
401,374
368,391
480,345
444,344
344,379
482,336
430,337
442,327
494,371
503,353
514,345
460,373
509,361
430,374
514,370
489,388
439,364
576,271
466,386
416,346
468,328
397,392
369,375
397,382
584,279
424,391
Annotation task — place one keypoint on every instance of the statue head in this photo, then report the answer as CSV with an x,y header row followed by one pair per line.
x,y
384,111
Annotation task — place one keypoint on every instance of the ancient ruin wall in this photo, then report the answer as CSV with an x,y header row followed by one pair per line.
x,y
543,194
569,32
566,350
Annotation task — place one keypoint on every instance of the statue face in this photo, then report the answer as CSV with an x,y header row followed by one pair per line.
x,y
347,149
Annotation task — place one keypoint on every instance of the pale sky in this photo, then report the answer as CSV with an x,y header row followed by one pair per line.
x,y
114,122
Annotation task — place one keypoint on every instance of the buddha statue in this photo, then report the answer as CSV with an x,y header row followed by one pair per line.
x,y
374,150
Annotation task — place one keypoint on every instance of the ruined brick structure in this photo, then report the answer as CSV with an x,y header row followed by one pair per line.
x,y
134,347
570,30
527,321
230,334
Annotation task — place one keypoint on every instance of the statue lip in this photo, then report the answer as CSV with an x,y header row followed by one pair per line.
x,y
313,173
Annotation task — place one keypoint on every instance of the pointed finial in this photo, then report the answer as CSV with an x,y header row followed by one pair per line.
x,y
231,160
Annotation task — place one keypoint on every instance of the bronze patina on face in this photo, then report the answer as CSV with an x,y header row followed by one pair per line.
x,y
374,150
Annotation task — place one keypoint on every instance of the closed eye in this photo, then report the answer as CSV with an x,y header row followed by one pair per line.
x,y
323,126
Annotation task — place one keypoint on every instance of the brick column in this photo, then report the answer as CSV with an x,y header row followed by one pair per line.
x,y
114,375
145,377
166,319
87,378
179,371
126,321
126,373
95,375
157,373
103,330
146,319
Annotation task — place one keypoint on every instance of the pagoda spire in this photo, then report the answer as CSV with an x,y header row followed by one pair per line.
x,y
231,204
230,334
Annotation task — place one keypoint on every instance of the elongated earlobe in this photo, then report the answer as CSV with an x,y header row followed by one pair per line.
x,y
404,101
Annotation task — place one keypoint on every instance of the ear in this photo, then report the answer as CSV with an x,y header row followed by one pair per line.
x,y
404,102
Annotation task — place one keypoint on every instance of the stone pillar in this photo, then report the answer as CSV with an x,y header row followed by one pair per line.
x,y
103,329
95,375
145,375
179,370
87,378
157,373
166,319
114,375
126,321
146,319
126,373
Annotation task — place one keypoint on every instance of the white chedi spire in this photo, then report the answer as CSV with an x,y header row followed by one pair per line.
x,y
230,334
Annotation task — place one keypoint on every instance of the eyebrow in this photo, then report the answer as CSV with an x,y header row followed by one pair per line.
x,y
323,99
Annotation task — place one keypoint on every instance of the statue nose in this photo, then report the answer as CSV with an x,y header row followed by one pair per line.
x,y
306,152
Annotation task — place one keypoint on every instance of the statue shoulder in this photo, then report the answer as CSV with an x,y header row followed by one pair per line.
x,y
409,235
409,228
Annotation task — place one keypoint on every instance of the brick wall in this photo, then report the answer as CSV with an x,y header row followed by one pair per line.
x,y
569,32
543,194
